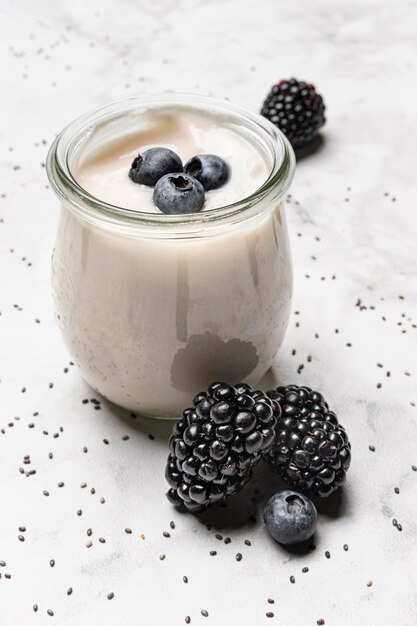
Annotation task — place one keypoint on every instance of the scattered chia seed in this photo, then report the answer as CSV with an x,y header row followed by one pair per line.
x,y
247,542
125,437
69,591
213,552
50,455
219,537
165,534
320,622
21,537
89,532
35,608
22,529
8,576
292,579
161,557
172,525
185,579
45,493
414,468
88,544
151,437
346,547
372,448
102,500
3,563
106,441
188,619
204,613
85,450
50,612
110,595
271,601
327,553
396,489
92,490
394,522
269,614
399,527
83,485
61,484
369,583
227,540
79,512
238,556
128,531
305,570
102,540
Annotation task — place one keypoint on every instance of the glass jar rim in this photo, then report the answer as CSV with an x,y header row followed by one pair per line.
x,y
93,209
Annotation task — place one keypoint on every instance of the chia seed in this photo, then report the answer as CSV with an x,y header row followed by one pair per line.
x,y
269,614
292,579
185,579
346,547
110,595
204,613
227,540
238,556
128,531
69,591
247,542
165,534
162,557
305,570
188,620
213,552
327,554
50,612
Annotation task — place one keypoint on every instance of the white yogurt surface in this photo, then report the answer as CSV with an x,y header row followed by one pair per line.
x,y
103,170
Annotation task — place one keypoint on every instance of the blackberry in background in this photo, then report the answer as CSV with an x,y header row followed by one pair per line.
x,y
311,450
217,442
296,109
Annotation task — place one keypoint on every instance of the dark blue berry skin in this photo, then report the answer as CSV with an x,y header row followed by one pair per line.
x,y
176,194
147,168
210,170
290,517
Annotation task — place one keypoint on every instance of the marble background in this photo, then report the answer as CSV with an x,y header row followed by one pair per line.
x,y
353,227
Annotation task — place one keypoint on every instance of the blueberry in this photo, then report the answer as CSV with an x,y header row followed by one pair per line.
x,y
178,193
147,168
210,170
290,517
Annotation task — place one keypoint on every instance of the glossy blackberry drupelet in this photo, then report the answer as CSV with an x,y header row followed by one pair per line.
x,y
311,451
296,108
217,442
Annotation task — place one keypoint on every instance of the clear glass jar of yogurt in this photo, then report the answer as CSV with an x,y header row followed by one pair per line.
x,y
155,307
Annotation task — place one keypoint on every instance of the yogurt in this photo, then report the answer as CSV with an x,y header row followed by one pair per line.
x,y
152,316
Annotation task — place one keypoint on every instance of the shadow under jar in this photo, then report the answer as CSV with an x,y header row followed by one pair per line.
x,y
154,307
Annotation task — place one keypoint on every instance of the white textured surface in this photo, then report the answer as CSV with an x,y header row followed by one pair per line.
x,y
59,59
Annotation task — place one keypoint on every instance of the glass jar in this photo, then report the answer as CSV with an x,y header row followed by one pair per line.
x,y
154,307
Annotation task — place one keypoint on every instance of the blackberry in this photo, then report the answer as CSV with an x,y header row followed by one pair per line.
x,y
217,442
296,108
311,450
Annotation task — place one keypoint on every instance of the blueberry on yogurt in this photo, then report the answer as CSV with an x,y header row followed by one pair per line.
x,y
177,194
147,168
210,170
